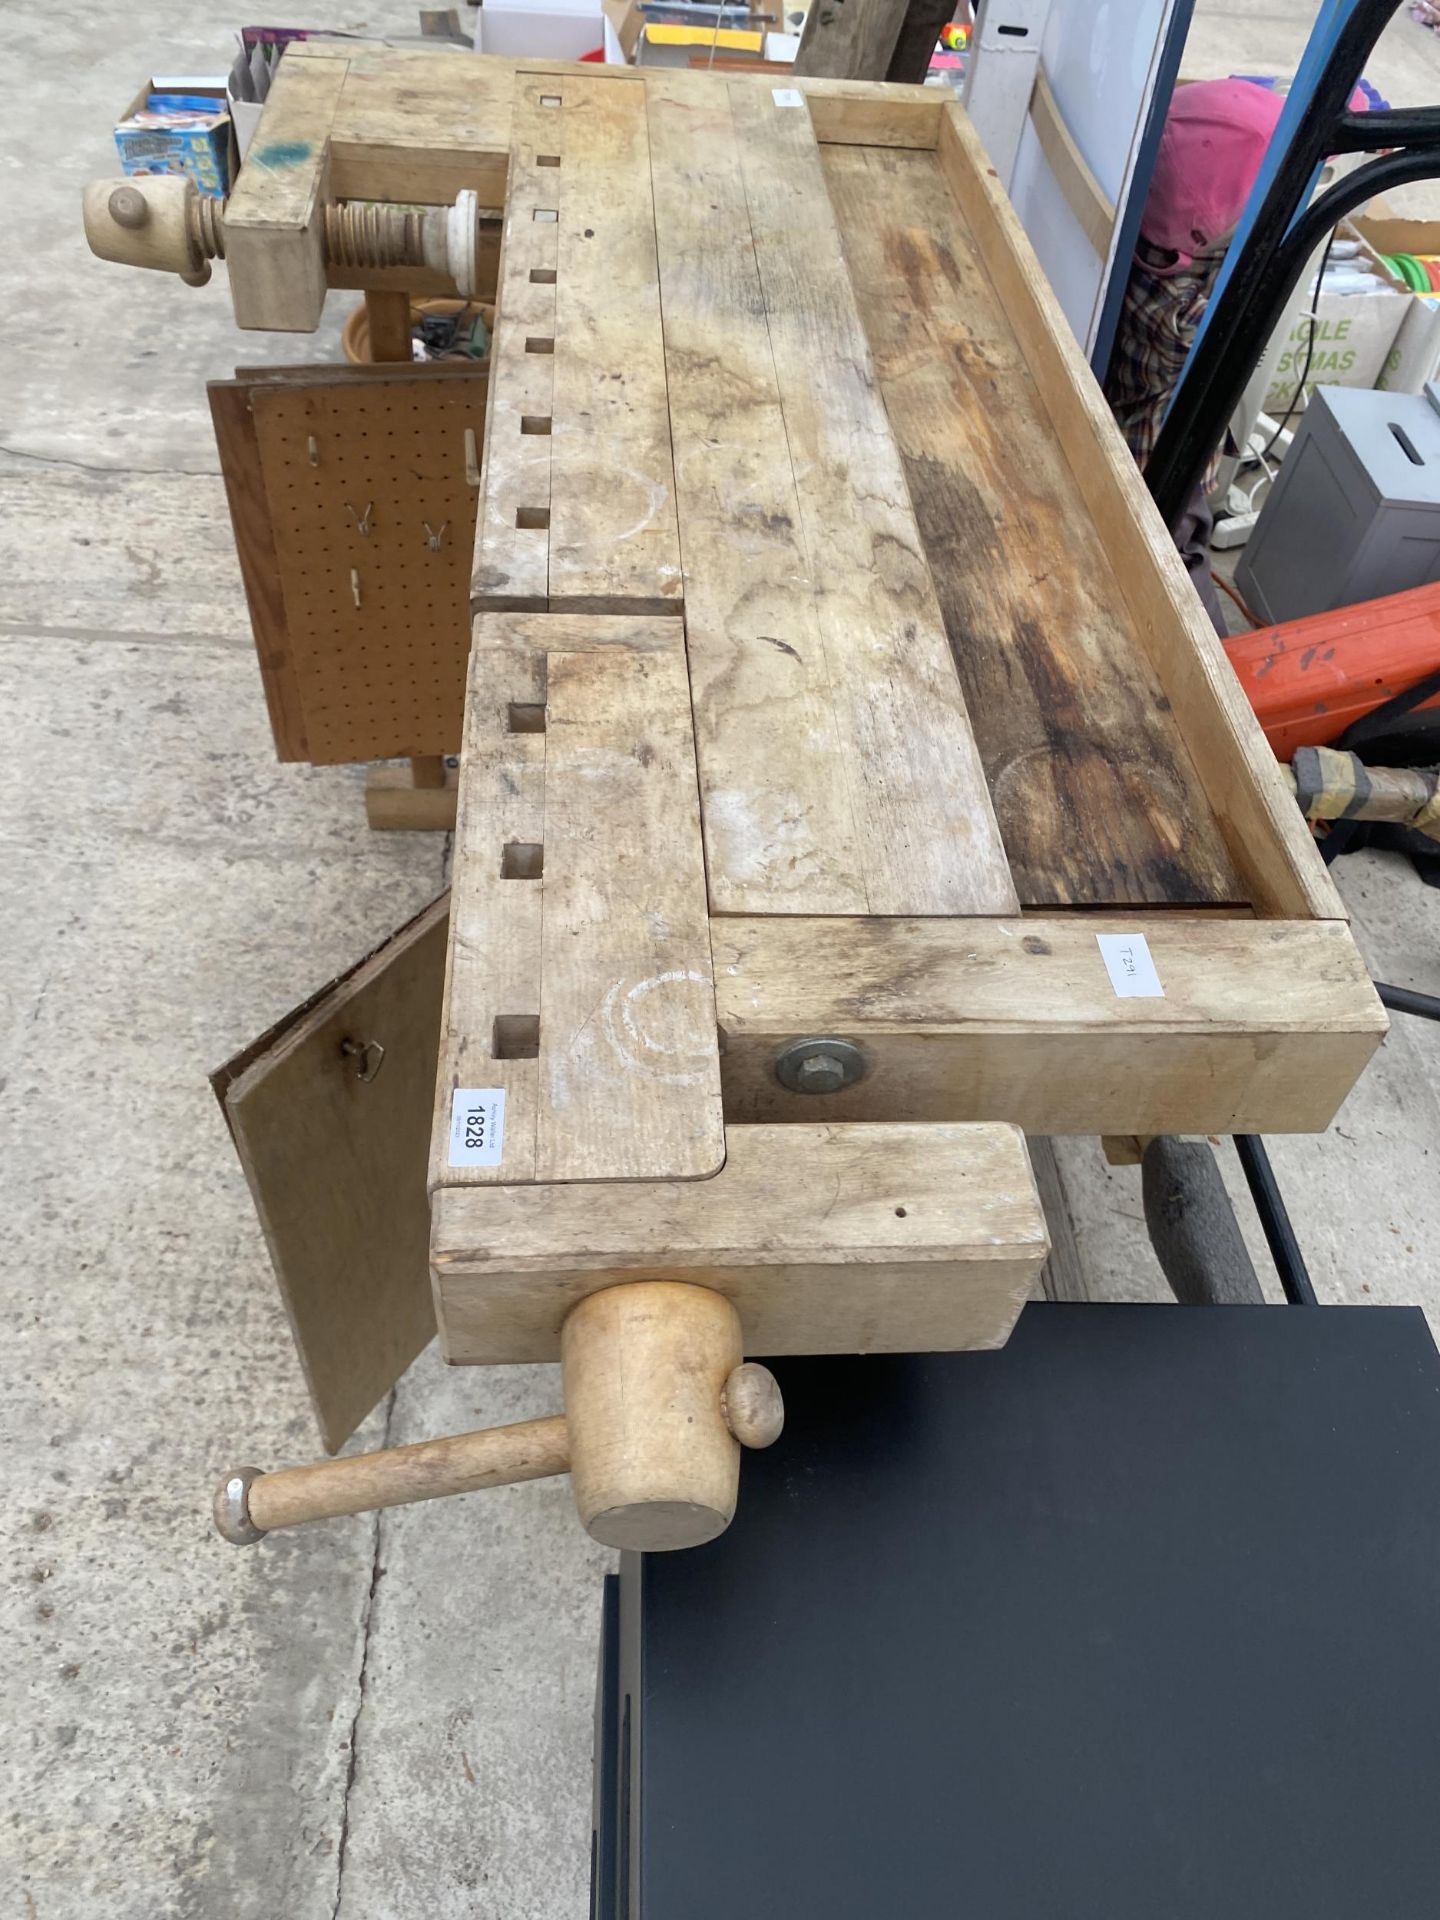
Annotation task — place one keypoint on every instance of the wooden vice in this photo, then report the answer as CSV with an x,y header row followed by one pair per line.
x,y
850,781
657,1406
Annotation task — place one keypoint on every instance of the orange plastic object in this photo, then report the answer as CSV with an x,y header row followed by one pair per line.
x,y
1309,679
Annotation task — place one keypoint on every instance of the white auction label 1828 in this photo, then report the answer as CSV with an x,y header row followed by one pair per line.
x,y
477,1126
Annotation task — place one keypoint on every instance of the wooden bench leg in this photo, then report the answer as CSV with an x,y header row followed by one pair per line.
x,y
415,798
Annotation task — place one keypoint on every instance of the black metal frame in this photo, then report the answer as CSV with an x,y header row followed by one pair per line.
x,y
1262,278
1265,272
1265,1190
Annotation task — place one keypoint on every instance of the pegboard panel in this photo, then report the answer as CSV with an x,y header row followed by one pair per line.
x,y
372,500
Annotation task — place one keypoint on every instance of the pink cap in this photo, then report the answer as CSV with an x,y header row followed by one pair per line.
x,y
1213,141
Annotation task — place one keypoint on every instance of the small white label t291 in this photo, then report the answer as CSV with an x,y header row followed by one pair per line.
x,y
1130,965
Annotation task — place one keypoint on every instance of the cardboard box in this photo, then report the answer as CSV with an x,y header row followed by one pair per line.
x,y
200,145
1414,356
1354,333
668,44
553,30
624,24
244,118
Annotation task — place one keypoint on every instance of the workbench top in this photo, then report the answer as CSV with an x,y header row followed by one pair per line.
x,y
850,776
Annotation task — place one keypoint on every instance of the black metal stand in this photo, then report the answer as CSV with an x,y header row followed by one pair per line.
x,y
1426,1006
1272,258
1279,1234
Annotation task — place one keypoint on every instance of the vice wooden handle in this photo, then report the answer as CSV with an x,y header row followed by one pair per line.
x,y
651,1436
249,1504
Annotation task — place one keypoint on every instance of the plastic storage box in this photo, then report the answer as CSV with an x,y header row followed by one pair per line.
x,y
1355,513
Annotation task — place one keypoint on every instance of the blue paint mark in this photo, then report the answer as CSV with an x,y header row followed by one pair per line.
x,y
285,153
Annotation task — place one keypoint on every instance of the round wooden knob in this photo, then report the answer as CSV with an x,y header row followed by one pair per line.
x,y
752,1406
129,208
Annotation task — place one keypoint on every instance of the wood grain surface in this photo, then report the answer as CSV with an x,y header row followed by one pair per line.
x,y
1262,1026
1264,831
780,831
1098,800
927,832
613,543
336,1168
828,1238
580,980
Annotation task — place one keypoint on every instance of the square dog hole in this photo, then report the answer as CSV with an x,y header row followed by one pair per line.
x,y
547,213
535,423
532,518
539,343
522,860
542,276
525,716
516,1037
547,159
550,99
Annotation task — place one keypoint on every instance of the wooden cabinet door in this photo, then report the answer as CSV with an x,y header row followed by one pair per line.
x,y
330,1114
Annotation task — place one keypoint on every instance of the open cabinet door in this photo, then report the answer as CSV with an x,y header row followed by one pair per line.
x,y
330,1113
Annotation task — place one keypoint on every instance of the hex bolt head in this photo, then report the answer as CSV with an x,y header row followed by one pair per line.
x,y
821,1073
819,1066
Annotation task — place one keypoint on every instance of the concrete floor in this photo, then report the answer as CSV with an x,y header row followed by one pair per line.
x,y
380,1718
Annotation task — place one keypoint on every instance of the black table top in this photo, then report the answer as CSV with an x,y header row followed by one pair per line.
x,y
1138,1617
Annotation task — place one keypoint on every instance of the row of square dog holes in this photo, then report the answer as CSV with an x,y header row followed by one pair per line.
x,y
536,519
516,1036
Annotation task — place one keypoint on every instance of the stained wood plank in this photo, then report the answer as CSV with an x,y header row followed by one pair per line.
x,y
917,788
613,541
1264,1025
629,1062
580,982
250,519
850,39
1266,836
829,1239
779,828
1098,800
512,537
336,1167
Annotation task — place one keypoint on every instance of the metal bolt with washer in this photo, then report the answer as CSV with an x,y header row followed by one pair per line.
x,y
819,1066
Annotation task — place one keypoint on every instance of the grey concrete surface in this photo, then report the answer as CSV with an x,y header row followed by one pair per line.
x,y
378,1718
381,1718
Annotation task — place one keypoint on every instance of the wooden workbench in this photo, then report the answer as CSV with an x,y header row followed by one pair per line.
x,y
833,676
